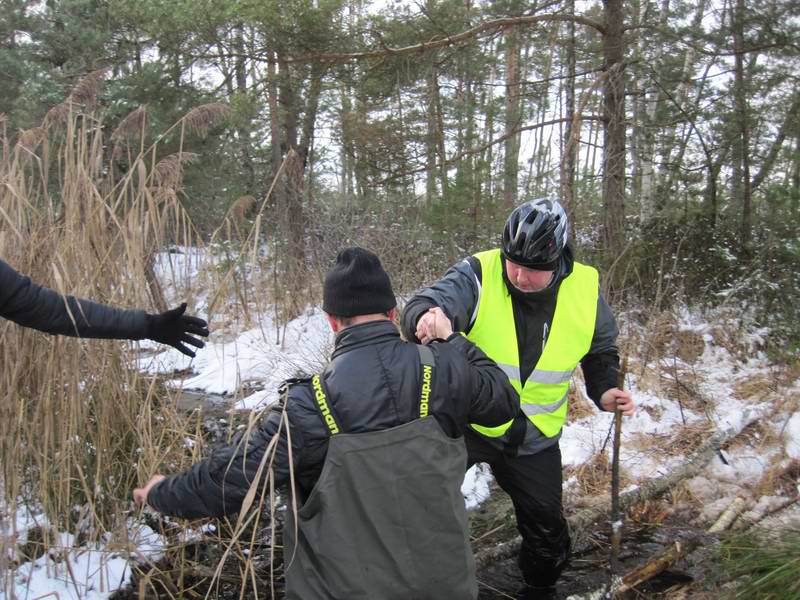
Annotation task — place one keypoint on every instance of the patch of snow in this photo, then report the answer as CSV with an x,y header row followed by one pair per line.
x,y
742,469
222,367
791,436
476,487
82,573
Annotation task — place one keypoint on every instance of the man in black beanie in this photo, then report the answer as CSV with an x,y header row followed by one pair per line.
x,y
376,452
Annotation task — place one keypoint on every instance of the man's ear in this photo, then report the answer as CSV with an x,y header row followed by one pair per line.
x,y
393,313
333,322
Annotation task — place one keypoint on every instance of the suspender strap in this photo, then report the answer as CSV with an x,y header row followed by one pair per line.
x,y
427,363
322,403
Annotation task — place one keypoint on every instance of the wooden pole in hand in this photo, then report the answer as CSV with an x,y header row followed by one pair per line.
x,y
616,517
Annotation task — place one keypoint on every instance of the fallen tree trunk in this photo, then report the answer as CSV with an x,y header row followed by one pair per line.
x,y
660,562
580,523
749,524
729,515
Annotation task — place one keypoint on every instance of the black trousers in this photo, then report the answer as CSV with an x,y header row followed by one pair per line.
x,y
534,484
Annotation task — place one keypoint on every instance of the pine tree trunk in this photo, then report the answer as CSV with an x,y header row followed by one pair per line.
x,y
796,180
571,138
431,142
440,149
665,180
614,130
274,126
772,154
484,171
243,130
544,145
513,116
347,151
652,98
742,188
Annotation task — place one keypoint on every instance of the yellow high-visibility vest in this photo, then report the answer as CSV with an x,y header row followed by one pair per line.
x,y
543,396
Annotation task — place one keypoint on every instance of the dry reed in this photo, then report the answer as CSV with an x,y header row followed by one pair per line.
x,y
201,118
80,426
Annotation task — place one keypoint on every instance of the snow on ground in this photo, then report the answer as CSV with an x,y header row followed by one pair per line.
x,y
717,404
84,573
68,571
476,484
254,357
791,436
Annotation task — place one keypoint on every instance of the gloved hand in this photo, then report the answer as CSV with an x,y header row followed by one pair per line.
x,y
173,328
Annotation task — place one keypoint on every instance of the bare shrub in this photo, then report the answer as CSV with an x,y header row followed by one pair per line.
x,y
240,208
395,231
690,437
594,478
85,91
755,387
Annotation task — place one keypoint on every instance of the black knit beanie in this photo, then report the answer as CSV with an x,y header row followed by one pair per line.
x,y
357,285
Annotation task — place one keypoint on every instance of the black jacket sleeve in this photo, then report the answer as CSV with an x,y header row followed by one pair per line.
x,y
601,364
456,294
493,400
32,305
218,485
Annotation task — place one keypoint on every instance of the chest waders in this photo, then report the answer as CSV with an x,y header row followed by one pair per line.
x,y
543,396
386,519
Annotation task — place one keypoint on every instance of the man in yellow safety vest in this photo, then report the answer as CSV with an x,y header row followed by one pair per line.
x,y
538,313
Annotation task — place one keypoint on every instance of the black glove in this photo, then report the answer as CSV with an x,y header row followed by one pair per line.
x,y
173,328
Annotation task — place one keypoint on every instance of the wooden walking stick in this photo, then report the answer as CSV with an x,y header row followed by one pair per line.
x,y
616,517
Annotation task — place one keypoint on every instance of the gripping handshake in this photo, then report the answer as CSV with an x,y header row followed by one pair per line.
x,y
434,325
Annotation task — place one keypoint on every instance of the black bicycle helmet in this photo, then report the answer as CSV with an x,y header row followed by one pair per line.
x,y
535,234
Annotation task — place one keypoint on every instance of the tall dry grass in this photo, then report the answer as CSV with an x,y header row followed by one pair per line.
x,y
80,426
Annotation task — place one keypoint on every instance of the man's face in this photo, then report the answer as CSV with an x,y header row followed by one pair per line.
x,y
527,280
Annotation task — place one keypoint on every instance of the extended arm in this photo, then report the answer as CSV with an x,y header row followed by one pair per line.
x,y
32,305
218,485
493,400
457,293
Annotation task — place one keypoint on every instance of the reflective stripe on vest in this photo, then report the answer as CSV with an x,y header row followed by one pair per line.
x,y
543,396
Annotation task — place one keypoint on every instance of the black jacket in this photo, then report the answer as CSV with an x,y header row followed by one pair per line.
x,y
32,305
373,383
457,294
